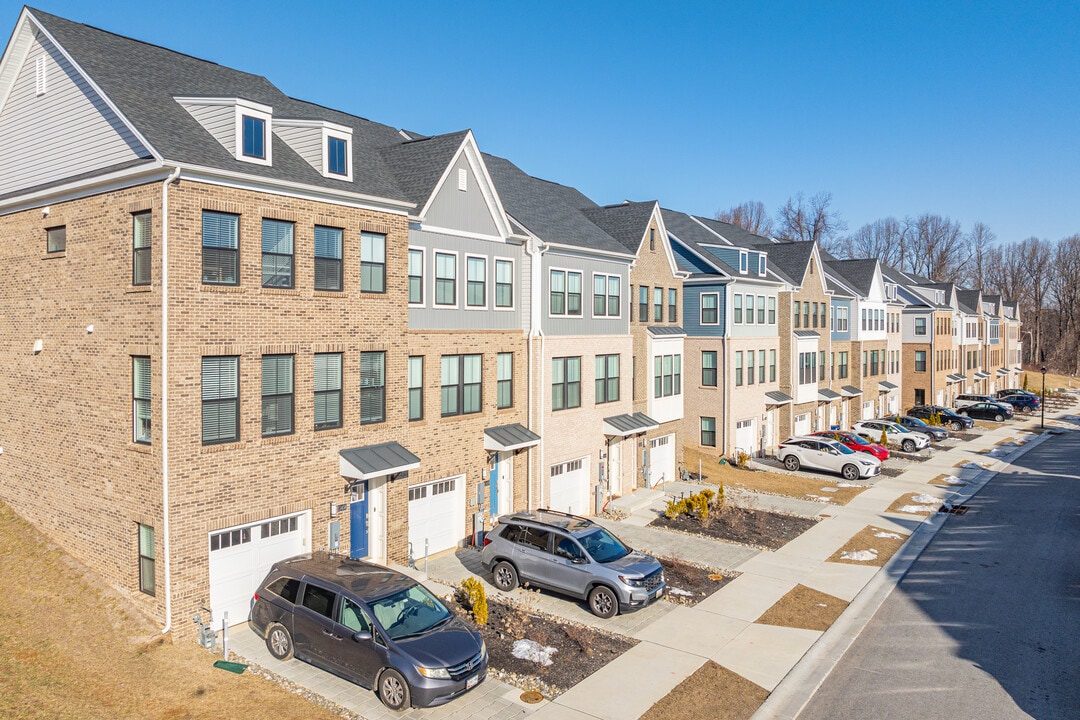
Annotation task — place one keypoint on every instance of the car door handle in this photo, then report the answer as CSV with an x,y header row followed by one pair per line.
x,y
331,633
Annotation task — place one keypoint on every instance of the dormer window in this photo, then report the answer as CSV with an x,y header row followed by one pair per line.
x,y
254,132
761,265
744,262
337,162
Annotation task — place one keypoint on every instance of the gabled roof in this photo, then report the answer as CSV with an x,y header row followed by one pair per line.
x,y
839,289
857,274
683,229
626,222
418,165
790,258
734,234
969,301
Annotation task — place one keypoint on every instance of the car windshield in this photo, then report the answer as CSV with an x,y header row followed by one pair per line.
x,y
856,439
916,422
843,449
412,611
602,546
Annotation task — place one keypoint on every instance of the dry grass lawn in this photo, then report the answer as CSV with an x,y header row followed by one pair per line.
x,y
939,481
69,649
909,500
711,693
764,481
866,539
804,608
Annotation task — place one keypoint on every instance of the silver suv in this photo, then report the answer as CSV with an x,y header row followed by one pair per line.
x,y
574,556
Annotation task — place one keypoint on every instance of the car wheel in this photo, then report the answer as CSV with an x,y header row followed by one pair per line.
x,y
999,417
792,463
504,576
603,602
850,472
393,690
279,641
958,426
908,445
1026,410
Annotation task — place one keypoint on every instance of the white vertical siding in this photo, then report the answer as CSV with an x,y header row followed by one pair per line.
x,y
67,131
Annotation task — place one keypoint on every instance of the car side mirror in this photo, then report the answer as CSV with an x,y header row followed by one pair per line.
x,y
362,636
579,560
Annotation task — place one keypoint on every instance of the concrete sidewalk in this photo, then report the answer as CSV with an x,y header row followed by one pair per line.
x,y
675,640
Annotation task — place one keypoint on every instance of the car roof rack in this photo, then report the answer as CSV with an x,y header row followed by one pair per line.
x,y
555,518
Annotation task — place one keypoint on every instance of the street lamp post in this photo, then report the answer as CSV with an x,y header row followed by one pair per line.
x,y
1042,405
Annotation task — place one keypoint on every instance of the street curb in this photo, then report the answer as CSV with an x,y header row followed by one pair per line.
x,y
794,692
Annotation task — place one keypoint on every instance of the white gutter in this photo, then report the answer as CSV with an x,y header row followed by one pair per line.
x,y
165,392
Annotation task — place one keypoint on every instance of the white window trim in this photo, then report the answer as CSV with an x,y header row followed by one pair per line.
x,y
495,280
261,112
435,279
423,276
761,265
489,272
607,277
701,306
341,133
744,262
547,296
749,309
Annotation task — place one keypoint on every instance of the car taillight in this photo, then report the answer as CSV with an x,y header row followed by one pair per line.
x,y
256,597
487,541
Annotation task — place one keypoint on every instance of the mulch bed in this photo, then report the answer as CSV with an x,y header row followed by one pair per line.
x,y
579,650
919,456
759,528
965,435
698,581
891,472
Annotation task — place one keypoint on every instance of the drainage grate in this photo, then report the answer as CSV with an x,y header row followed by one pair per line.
x,y
954,509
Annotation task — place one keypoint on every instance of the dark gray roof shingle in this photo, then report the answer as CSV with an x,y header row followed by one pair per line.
x,y
626,222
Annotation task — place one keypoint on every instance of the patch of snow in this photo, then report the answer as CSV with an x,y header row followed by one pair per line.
x,y
952,480
918,508
533,652
972,466
924,498
883,534
818,498
845,483
860,555
679,591
828,489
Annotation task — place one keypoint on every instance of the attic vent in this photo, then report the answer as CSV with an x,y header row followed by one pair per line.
x,y
39,76
462,179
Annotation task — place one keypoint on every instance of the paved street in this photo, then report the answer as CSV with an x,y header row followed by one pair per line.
x,y
986,624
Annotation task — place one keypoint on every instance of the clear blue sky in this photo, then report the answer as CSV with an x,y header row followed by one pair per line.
x,y
965,109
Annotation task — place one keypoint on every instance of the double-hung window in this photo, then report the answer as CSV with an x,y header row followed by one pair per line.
x,y
505,380
708,431
220,400
761,309
277,253
372,262
565,383
372,387
140,392
806,314
749,309
445,279
797,314
814,314
667,375
772,366
146,559
750,377
738,368
461,384
643,303
504,284
708,368
254,140
220,248
842,366
672,305
920,326
565,296
710,314
328,403
920,361
141,227
416,276
475,282
328,254
658,304
337,161
737,310
761,366
416,387
607,378
607,295
277,395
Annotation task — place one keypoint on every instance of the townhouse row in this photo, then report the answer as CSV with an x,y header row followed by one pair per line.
x,y
239,326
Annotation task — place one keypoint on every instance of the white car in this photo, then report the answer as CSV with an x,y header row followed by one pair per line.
x,y
821,453
908,440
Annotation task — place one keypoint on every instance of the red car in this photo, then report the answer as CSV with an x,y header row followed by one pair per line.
x,y
856,443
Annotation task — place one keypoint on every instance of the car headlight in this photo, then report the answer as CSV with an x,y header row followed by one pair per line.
x,y
867,463
434,673
633,582
483,648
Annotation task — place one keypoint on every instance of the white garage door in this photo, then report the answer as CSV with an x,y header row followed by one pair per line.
x,y
570,487
802,424
240,558
746,437
868,411
662,460
437,515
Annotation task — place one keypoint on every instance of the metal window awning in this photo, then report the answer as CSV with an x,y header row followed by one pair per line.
x,y
509,437
850,391
886,386
666,331
1018,369
955,378
827,395
1002,371
372,461
775,397
627,424
982,375
807,333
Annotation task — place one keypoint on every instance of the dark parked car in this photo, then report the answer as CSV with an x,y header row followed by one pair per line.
x,y
1022,403
574,556
987,411
1014,391
371,625
949,417
935,433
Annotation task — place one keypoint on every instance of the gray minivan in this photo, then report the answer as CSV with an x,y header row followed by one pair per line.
x,y
370,625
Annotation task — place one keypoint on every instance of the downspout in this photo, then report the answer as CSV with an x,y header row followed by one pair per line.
x,y
727,394
166,547
535,249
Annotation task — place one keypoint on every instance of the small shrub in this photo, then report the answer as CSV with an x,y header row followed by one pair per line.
x,y
741,458
698,505
475,599
884,438
1025,385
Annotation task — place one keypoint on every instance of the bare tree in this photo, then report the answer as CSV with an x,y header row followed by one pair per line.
x,y
938,248
1035,259
810,220
750,216
979,241
885,239
1064,292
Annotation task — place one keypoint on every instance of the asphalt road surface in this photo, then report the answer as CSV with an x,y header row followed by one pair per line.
x,y
986,623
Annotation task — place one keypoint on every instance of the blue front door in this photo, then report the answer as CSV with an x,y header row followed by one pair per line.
x,y
358,524
493,489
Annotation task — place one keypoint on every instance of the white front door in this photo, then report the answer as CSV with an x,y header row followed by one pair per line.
x,y
240,558
570,487
614,471
505,480
662,460
436,515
